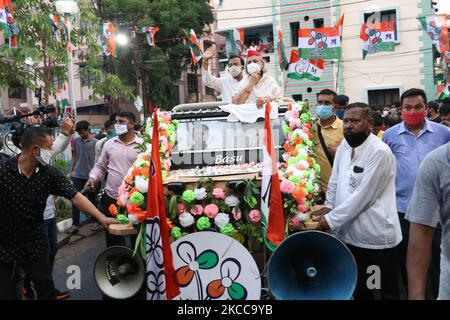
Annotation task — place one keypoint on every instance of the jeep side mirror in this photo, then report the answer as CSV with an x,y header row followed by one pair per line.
x,y
176,187
236,184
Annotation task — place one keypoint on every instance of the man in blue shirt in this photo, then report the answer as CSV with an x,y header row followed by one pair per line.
x,y
411,141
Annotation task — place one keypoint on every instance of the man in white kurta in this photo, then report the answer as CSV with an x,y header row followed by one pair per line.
x,y
360,207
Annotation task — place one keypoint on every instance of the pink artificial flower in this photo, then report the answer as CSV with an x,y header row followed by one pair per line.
x,y
287,186
301,200
295,221
122,189
181,208
165,116
301,208
197,210
290,135
236,214
292,123
211,211
255,215
295,114
301,165
218,193
305,130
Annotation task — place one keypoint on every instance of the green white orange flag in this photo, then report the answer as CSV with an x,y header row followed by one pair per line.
x,y
7,22
196,51
305,68
108,38
377,37
237,40
445,93
320,43
271,203
436,27
282,60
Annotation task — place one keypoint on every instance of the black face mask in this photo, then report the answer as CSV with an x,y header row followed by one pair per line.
x,y
356,139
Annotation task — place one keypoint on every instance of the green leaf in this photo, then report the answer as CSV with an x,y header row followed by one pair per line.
x,y
208,259
237,291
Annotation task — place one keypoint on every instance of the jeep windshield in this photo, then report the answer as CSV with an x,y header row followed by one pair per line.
x,y
209,139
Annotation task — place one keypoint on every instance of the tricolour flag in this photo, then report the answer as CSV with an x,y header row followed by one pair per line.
x,y
282,60
196,51
54,22
305,68
62,100
437,29
7,22
340,25
237,40
320,43
377,37
271,202
161,280
150,33
445,93
108,38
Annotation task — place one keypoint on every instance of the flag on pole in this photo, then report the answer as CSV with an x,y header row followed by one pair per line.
x,y
150,33
271,203
282,60
62,100
7,22
108,38
54,22
445,92
196,51
377,37
161,280
237,40
340,25
320,43
305,68
436,27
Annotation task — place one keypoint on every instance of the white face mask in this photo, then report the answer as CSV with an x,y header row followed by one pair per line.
x,y
253,68
121,129
44,156
235,71
385,113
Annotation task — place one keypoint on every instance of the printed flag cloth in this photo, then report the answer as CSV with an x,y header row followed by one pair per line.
x,y
62,100
271,203
445,92
437,29
282,60
150,33
236,40
305,68
108,39
340,25
7,22
54,22
196,51
377,37
320,43
161,281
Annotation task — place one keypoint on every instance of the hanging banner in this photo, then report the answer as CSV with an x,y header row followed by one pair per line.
x,y
237,40
108,39
320,43
305,68
436,27
150,33
377,37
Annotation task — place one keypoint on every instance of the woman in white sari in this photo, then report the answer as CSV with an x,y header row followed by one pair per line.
x,y
259,87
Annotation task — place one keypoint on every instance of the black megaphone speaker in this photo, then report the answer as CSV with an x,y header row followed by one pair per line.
x,y
118,273
312,265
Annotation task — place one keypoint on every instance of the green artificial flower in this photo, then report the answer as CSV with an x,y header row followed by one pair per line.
x,y
293,161
286,129
309,188
305,117
317,167
227,230
308,143
175,123
294,179
141,163
170,128
175,233
188,196
137,198
163,175
251,201
203,223
123,219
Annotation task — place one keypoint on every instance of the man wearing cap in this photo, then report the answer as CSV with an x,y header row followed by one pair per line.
x,y
341,103
259,87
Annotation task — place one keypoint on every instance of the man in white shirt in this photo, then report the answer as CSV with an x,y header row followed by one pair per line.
x,y
360,207
227,86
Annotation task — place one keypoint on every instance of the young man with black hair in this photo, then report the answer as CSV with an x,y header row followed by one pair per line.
x,y
410,142
27,180
227,86
117,156
433,111
360,204
444,112
83,160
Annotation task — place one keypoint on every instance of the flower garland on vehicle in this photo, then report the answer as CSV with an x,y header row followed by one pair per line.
x,y
132,198
231,212
299,182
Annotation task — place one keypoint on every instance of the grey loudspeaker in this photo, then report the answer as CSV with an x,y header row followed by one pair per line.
x,y
118,274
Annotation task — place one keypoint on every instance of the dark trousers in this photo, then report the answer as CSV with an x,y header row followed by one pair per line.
x,y
112,240
11,275
387,260
432,289
51,233
78,183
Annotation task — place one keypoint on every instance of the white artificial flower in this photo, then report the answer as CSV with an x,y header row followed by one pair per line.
x,y
303,163
298,173
200,194
232,201
303,152
123,198
132,218
288,115
302,217
141,184
163,126
221,220
186,219
316,188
